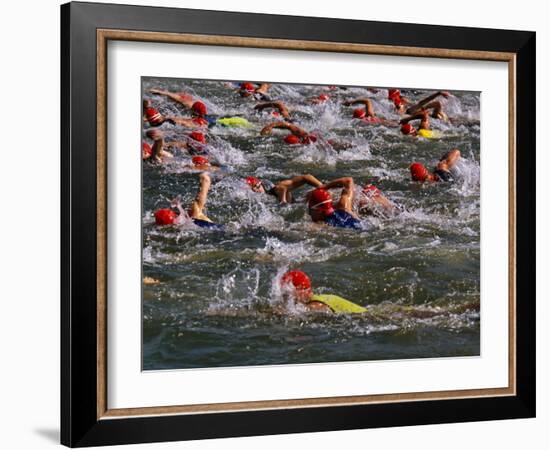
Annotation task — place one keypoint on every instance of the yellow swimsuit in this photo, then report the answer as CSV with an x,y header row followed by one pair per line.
x,y
234,122
338,304
428,134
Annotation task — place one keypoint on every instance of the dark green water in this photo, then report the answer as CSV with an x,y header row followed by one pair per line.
x,y
417,272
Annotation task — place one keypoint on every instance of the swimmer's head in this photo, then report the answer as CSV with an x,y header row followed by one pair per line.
x,y
320,203
198,136
200,161
199,108
370,191
165,216
247,86
399,103
292,139
323,97
309,139
393,93
255,184
298,283
419,172
146,150
359,113
247,89
407,129
153,116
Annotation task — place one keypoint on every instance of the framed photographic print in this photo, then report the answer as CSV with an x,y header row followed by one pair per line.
x,y
314,229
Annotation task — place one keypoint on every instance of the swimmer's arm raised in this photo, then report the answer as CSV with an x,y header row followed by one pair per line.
x,y
346,197
282,187
176,97
427,100
449,160
268,129
263,88
423,116
280,106
200,200
363,101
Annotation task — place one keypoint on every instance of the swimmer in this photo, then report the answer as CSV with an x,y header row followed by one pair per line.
x,y
156,153
321,98
367,114
183,98
298,285
322,209
283,189
199,119
279,107
424,130
155,118
202,163
442,171
398,100
175,214
297,135
196,143
373,202
429,103
258,91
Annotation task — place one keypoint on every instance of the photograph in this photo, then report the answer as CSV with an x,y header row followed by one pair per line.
x,y
297,224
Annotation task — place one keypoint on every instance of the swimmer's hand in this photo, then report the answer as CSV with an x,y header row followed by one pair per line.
x,y
267,130
445,94
175,202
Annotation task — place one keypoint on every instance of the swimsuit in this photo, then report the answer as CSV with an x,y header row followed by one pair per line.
x,y
343,219
338,304
233,122
428,134
206,224
444,175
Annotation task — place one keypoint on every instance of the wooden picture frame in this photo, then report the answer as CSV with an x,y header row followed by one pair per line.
x,y
86,418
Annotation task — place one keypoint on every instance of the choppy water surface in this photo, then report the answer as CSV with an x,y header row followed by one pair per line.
x,y
417,272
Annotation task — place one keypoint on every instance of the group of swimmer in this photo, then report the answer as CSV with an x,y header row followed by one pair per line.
x,y
325,209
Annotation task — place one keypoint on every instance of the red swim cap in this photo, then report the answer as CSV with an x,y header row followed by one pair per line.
x,y
298,279
418,172
398,102
292,139
370,190
165,217
323,97
359,113
321,199
253,181
200,121
407,128
199,108
394,93
146,149
153,116
198,136
249,87
199,160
